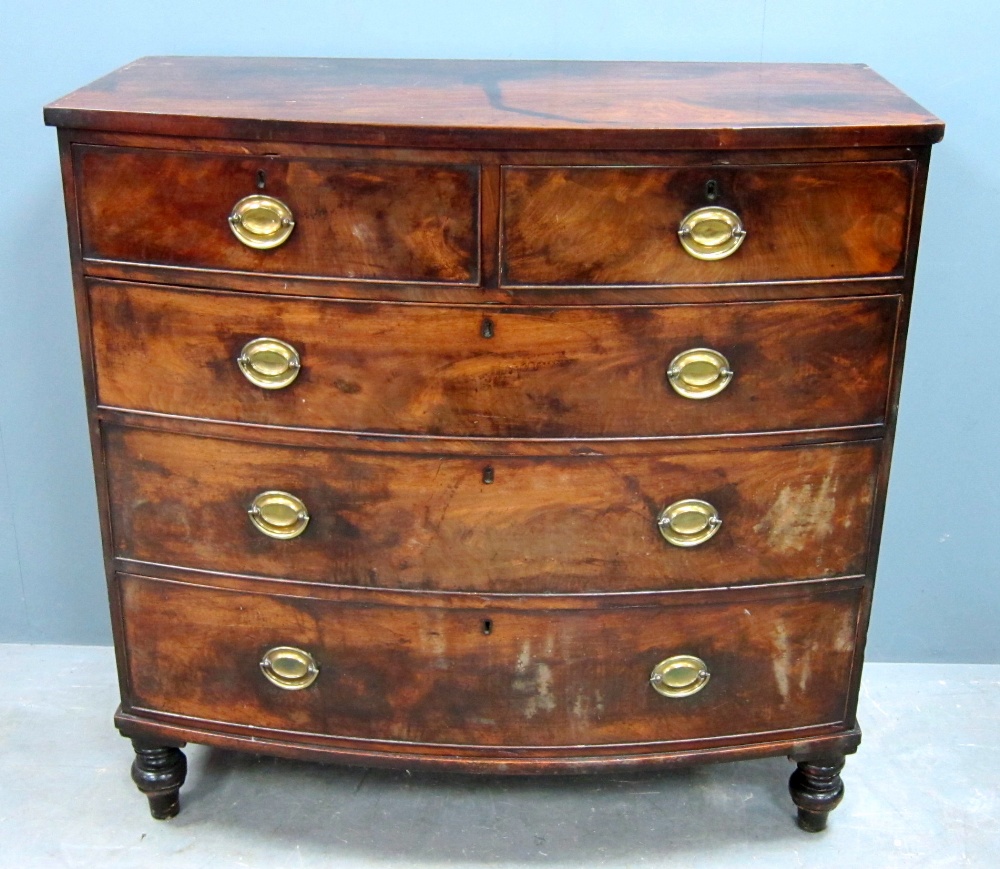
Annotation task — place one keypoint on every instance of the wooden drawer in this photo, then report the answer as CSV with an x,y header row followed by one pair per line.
x,y
481,671
548,372
618,225
544,524
371,220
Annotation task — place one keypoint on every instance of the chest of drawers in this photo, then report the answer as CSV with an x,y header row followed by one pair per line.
x,y
492,416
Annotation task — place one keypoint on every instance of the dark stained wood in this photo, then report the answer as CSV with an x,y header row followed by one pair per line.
x,y
421,674
417,533
544,373
159,771
501,104
487,448
618,225
318,747
552,373
578,524
352,219
816,789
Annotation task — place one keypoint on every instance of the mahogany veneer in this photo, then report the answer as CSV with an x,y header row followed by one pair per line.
x,y
442,516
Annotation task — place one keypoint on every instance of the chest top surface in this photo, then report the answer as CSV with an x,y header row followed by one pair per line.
x,y
502,104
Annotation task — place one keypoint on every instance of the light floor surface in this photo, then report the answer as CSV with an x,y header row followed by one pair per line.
x,y
923,791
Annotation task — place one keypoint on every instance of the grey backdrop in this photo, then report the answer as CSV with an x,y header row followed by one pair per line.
x,y
937,591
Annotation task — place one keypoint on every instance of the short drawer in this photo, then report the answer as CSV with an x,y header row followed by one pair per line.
x,y
354,220
484,372
619,225
581,523
490,671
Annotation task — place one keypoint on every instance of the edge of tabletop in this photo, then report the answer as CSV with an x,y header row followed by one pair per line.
x,y
210,100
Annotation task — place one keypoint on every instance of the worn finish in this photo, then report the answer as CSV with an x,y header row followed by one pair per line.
x,y
597,225
542,525
502,104
419,522
352,219
429,674
541,372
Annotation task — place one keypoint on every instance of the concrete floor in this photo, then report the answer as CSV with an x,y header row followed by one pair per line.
x,y
923,791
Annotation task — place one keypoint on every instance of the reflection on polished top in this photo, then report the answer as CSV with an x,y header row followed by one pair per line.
x,y
496,103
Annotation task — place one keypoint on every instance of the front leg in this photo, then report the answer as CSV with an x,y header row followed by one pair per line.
x,y
159,771
817,789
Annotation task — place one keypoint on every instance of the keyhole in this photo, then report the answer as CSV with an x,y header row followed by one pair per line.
x,y
486,330
712,190
487,626
488,475
261,179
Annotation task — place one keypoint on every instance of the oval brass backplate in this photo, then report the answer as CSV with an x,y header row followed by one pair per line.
x,y
711,233
680,676
261,222
279,515
689,522
269,363
289,668
699,373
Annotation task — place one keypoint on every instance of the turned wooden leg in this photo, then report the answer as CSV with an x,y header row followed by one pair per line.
x,y
817,789
158,771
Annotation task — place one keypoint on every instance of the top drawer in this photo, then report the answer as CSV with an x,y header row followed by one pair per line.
x,y
354,220
619,225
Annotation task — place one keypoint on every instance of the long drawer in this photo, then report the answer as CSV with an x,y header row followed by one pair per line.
x,y
599,225
583,523
484,372
358,220
490,672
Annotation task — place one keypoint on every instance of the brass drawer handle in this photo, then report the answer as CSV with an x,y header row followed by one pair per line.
x,y
269,363
689,522
289,668
279,515
261,222
680,676
711,233
699,373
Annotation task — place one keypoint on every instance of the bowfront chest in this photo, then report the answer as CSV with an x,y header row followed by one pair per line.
x,y
492,416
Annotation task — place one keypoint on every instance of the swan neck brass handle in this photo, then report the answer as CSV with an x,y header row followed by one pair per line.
x,y
699,373
680,676
269,363
289,668
689,522
261,222
711,233
279,515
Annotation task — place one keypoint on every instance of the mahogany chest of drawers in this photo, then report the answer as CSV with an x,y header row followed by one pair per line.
x,y
492,416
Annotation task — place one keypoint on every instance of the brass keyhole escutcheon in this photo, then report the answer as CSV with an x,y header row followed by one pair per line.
x,y
699,373
289,668
261,222
269,363
680,676
279,515
689,522
711,233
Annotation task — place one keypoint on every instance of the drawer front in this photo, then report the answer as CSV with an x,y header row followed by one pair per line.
x,y
388,221
619,225
545,674
554,373
542,524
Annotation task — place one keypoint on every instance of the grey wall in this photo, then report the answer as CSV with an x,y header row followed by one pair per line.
x,y
938,591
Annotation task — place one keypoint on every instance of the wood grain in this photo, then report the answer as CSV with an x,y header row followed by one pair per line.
x,y
544,524
545,372
618,225
540,677
502,104
359,220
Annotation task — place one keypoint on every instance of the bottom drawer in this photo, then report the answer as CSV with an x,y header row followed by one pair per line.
x,y
475,670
